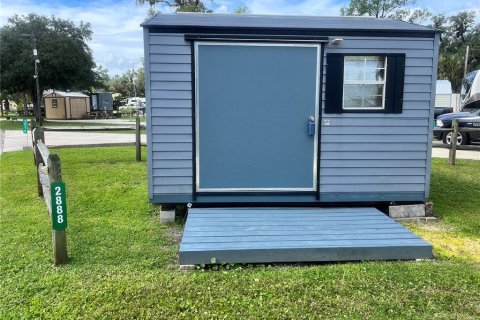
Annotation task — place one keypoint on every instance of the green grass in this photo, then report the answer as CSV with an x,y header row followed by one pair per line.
x,y
458,190
124,263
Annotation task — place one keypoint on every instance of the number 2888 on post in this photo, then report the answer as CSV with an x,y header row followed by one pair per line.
x,y
59,205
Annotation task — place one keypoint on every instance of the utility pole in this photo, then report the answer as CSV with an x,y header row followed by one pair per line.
x,y
37,81
135,92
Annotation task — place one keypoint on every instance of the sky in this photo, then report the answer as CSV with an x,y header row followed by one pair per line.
x,y
117,41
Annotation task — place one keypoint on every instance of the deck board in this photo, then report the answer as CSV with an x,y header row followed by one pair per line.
x,y
264,235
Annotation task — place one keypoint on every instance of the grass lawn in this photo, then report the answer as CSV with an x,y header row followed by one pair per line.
x,y
124,263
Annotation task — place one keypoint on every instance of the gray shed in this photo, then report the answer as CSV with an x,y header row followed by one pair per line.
x,y
247,108
289,110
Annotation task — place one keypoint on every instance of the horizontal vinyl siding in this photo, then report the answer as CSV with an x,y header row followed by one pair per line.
x,y
370,146
359,152
372,187
171,189
171,129
380,152
370,172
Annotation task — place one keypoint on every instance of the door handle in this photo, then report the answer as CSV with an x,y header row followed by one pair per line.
x,y
311,126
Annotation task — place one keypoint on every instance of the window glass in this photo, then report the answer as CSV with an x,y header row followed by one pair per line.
x,y
375,62
54,103
364,82
355,68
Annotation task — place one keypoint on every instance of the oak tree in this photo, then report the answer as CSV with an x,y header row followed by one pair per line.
x,y
66,61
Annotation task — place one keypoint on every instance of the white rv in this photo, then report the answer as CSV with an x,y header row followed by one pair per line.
x,y
471,90
136,102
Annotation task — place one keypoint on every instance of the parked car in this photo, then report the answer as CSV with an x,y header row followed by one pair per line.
x,y
467,119
442,110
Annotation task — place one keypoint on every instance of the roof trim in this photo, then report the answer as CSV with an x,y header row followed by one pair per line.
x,y
64,94
291,31
214,21
254,38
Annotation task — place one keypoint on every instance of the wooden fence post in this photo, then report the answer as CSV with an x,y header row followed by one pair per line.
x,y
453,144
59,237
138,144
33,141
38,134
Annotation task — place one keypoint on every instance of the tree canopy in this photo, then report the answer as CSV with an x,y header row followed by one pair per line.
x,y
458,31
66,61
178,5
394,9
123,84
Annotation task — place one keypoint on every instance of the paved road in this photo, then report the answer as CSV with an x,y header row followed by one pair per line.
x,y
461,154
106,121
441,150
2,140
16,140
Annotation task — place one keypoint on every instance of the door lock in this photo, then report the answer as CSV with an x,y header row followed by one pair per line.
x,y
311,126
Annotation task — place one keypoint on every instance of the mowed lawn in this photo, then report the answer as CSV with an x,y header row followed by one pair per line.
x,y
124,263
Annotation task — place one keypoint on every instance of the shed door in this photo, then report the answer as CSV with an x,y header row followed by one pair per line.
x,y
254,106
78,107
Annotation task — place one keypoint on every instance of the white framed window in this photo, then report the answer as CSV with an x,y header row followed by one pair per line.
x,y
364,82
54,103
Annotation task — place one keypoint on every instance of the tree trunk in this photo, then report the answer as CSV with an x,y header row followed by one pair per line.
x,y
25,104
7,108
34,102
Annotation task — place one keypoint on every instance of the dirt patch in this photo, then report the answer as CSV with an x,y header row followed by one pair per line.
x,y
437,226
174,234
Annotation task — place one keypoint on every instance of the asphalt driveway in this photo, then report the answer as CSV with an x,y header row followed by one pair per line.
x,y
16,140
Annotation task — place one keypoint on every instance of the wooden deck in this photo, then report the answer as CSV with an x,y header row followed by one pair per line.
x,y
264,235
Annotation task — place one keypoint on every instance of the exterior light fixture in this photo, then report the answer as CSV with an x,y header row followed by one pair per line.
x,y
336,40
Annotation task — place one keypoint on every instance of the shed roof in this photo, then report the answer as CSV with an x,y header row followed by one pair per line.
x,y
209,20
68,94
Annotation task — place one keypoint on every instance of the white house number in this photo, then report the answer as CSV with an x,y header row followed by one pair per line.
x,y
58,203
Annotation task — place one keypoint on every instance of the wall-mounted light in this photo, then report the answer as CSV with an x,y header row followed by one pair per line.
x,y
336,40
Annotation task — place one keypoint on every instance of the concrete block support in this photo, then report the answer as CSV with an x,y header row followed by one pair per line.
x,y
407,211
187,267
429,209
167,214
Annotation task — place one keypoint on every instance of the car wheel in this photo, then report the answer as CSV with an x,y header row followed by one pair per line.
x,y
462,138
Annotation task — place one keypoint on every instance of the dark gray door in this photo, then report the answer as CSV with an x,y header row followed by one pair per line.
x,y
255,104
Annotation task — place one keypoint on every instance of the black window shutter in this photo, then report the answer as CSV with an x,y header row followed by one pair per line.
x,y
334,83
395,81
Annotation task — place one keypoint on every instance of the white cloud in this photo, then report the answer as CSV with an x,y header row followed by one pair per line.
x,y
449,7
332,7
306,7
221,9
117,41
